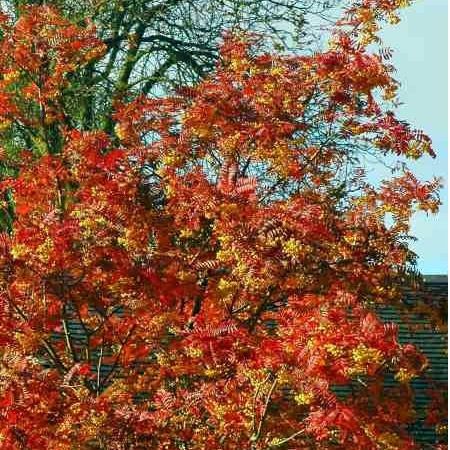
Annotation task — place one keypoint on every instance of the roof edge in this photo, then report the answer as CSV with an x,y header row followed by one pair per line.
x,y
435,279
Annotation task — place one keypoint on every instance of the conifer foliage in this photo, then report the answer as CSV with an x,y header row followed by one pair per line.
x,y
206,278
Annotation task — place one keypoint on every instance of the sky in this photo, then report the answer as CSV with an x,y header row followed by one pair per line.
x,y
420,56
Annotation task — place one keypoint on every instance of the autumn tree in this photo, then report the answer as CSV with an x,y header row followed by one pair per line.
x,y
152,46
210,280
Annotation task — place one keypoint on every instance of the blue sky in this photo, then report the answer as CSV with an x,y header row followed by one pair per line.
x,y
420,44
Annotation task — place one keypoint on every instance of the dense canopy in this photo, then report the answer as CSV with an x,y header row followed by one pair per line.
x,y
205,274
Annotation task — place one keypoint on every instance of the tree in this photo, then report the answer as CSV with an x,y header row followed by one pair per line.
x,y
152,46
210,280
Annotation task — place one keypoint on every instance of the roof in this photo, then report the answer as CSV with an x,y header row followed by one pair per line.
x,y
435,279
430,336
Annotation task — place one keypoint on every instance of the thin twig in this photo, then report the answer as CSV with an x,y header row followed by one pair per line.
x,y
255,397
99,366
69,340
257,435
116,362
47,346
277,443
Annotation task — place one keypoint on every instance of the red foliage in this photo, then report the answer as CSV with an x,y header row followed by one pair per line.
x,y
220,268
